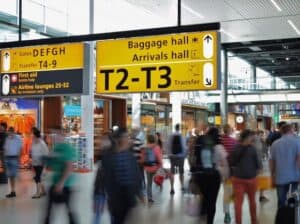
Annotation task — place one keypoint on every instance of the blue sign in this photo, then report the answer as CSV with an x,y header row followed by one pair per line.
x,y
72,111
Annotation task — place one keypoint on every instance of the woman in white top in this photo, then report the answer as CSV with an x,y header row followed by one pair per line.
x,y
39,150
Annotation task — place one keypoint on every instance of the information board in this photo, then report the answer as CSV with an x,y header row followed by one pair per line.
x,y
175,62
42,70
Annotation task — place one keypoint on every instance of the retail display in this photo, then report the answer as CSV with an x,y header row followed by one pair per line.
x,y
83,164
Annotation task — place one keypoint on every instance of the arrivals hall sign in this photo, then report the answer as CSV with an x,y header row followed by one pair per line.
x,y
175,62
42,70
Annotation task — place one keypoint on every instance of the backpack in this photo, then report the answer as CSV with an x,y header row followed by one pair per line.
x,y
150,158
176,145
204,150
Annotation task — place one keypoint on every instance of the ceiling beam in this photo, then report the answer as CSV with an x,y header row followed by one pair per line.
x,y
275,52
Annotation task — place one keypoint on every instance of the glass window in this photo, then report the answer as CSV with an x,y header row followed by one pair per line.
x,y
33,11
9,6
78,17
56,19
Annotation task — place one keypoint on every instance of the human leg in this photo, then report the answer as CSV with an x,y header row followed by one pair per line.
x,y
251,189
282,191
49,206
181,172
239,190
68,196
173,173
214,182
149,186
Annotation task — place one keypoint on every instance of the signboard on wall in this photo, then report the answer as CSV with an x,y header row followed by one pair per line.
x,y
174,62
42,70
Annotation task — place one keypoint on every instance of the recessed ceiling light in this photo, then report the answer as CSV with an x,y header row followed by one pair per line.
x,y
255,48
294,26
287,58
276,5
192,11
228,34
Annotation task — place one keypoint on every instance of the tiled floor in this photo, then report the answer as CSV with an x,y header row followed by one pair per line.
x,y
166,210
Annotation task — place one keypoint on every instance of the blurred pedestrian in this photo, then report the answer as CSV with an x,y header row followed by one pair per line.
x,y
159,141
245,166
122,177
60,161
285,163
39,151
191,146
176,148
211,167
12,149
152,160
3,135
229,143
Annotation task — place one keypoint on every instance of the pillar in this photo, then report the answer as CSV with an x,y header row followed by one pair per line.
x,y
253,78
224,90
136,110
175,100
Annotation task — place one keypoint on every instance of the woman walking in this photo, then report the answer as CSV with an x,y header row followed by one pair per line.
x,y
39,150
245,165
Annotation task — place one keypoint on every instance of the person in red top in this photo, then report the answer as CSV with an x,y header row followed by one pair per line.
x,y
228,142
152,160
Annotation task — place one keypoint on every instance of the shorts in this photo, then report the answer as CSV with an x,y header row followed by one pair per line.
x,y
11,167
177,163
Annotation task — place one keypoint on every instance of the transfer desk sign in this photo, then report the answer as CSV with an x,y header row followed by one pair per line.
x,y
175,62
42,70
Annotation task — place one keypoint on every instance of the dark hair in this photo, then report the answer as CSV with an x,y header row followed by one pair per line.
x,y
151,139
177,127
281,124
246,134
4,125
119,133
214,134
285,129
11,129
158,134
36,132
226,129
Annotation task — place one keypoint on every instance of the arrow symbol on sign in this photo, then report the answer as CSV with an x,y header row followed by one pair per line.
x,y
208,82
207,38
6,54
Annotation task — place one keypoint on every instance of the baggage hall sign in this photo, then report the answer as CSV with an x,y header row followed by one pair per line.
x,y
175,62
42,70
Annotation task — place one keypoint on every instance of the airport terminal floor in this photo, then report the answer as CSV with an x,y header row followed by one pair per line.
x,y
165,210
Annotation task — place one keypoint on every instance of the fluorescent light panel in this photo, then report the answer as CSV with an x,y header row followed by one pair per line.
x,y
276,5
294,27
228,34
192,11
255,48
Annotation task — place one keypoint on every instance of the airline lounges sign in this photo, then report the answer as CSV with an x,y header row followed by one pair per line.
x,y
175,62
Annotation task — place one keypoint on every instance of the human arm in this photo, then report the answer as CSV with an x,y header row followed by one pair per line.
x,y
272,165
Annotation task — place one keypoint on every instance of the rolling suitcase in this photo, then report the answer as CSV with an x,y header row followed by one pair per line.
x,y
290,214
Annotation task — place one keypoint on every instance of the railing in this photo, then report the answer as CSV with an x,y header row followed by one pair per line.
x,y
242,85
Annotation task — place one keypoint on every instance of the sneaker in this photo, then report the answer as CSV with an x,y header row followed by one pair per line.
x,y
37,196
172,192
227,218
11,195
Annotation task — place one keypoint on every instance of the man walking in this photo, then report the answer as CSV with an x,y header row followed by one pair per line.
x,y
285,163
176,149
12,150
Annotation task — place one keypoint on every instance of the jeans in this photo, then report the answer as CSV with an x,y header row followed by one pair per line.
x,y
149,185
282,191
209,185
99,202
240,187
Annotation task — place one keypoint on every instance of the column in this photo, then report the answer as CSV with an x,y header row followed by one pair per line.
x,y
224,91
253,78
175,100
87,101
136,110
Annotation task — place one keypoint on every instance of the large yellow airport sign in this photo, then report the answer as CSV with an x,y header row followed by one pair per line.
x,y
175,62
43,58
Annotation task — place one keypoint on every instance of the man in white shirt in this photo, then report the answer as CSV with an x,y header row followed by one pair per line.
x,y
12,149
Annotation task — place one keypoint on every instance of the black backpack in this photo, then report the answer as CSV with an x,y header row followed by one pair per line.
x,y
176,145
204,150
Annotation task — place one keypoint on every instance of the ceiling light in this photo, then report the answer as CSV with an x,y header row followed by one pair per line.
x,y
192,11
255,48
276,5
228,34
294,26
287,58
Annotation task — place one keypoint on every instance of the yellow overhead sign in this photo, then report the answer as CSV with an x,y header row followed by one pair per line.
x,y
175,62
42,58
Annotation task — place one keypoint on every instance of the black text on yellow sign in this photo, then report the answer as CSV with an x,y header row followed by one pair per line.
x,y
42,58
179,62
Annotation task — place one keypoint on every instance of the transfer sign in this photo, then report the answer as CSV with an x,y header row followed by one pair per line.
x,y
175,62
42,70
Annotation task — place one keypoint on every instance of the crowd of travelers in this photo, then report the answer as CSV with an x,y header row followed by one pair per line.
x,y
131,163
